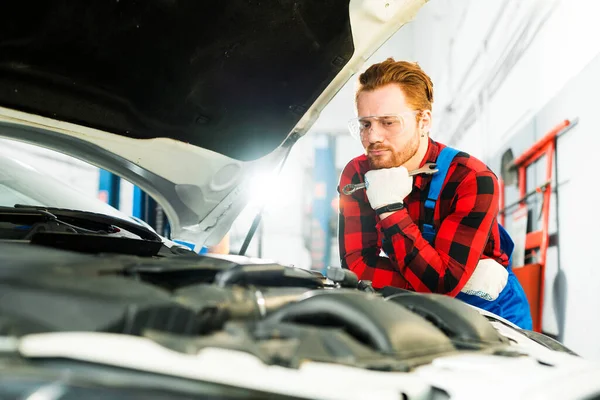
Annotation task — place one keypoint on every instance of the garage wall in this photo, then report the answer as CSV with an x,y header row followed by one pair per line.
x,y
552,46
571,270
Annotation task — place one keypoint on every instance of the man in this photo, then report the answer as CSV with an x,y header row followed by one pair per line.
x,y
452,247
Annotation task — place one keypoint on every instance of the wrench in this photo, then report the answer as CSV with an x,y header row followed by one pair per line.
x,y
429,168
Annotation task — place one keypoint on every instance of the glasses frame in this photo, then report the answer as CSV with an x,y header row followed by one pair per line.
x,y
355,132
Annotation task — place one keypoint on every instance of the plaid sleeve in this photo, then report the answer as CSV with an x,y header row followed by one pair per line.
x,y
359,241
459,243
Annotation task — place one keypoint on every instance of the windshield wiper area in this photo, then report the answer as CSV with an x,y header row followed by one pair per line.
x,y
94,244
84,219
76,230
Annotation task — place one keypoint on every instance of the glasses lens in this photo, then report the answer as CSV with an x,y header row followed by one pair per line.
x,y
354,128
388,125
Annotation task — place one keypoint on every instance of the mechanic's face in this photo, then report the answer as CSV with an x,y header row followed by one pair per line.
x,y
388,127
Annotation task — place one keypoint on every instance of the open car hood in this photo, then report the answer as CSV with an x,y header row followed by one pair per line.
x,y
185,99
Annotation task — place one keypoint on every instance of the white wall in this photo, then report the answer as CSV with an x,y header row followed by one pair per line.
x,y
560,49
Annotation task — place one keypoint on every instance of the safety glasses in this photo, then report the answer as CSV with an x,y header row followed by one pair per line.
x,y
388,124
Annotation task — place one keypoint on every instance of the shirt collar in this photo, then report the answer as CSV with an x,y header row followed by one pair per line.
x,y
433,150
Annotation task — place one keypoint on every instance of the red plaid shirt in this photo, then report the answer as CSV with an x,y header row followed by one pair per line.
x,y
464,219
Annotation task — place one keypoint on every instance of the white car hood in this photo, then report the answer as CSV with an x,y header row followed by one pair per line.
x,y
201,179
539,373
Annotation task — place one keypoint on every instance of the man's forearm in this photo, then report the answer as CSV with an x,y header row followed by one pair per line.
x,y
379,270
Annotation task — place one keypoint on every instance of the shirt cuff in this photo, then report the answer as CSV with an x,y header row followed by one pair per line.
x,y
397,220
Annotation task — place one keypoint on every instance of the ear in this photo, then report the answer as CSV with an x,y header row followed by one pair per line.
x,y
425,121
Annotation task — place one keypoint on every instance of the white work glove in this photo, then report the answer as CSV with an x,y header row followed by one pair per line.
x,y
487,281
387,186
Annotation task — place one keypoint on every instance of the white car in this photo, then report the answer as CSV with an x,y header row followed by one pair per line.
x,y
187,100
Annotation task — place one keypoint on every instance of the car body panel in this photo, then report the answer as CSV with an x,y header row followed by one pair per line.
x,y
455,377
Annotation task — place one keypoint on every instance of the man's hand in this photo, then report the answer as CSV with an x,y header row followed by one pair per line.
x,y
387,186
487,281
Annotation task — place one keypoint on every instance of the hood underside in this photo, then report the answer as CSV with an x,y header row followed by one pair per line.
x,y
229,77
185,99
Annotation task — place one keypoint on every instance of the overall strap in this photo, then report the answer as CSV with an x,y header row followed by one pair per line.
x,y
443,161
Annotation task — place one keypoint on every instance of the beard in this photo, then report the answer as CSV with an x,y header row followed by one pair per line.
x,y
390,158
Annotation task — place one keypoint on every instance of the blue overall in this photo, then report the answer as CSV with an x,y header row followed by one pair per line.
x,y
512,303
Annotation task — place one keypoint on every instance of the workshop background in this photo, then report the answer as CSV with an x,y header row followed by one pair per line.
x,y
506,73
